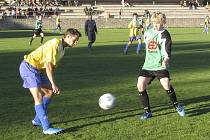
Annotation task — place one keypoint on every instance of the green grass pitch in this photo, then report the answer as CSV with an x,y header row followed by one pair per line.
x,y
83,77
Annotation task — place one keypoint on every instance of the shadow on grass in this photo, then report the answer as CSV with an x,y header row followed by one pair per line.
x,y
200,109
21,34
105,67
75,128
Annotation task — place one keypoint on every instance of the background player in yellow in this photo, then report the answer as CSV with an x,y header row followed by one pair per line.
x,y
136,29
36,71
58,23
206,23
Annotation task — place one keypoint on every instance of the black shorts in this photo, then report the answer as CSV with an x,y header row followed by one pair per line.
x,y
38,31
152,74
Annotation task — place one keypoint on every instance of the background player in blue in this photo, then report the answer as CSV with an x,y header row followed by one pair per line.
x,y
136,31
38,30
158,54
90,30
37,73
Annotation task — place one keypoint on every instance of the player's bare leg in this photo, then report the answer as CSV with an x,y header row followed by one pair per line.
x,y
127,47
42,37
143,96
138,49
32,38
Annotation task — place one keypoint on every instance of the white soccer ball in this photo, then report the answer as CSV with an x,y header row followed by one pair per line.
x,y
107,101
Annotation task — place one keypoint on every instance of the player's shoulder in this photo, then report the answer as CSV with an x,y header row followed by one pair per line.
x,y
166,34
149,31
131,21
53,42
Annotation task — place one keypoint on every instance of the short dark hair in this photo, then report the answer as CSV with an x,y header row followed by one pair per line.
x,y
135,14
72,31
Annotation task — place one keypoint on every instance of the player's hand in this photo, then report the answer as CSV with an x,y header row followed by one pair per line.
x,y
165,63
55,89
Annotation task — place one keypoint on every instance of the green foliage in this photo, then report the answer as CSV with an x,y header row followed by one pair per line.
x,y
83,77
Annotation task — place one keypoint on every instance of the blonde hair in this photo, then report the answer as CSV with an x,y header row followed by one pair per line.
x,y
158,18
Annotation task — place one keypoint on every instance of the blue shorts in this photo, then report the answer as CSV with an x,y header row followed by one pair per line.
x,y
134,38
32,77
206,29
92,37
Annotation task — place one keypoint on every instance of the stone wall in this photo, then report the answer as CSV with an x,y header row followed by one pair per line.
x,y
10,23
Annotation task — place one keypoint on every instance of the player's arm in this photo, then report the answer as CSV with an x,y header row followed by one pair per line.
x,y
49,71
130,25
40,25
86,27
96,28
36,24
167,49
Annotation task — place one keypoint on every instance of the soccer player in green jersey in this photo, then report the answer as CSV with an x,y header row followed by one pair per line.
x,y
38,30
158,54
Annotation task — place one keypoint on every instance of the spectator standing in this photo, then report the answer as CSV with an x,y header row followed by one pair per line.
x,y
120,13
90,30
76,3
125,3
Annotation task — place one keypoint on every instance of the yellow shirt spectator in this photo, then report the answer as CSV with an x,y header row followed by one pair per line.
x,y
58,20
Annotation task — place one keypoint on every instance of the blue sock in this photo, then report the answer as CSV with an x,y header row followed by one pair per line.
x,y
126,49
46,102
138,48
42,116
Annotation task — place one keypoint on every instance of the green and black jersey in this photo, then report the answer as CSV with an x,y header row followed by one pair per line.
x,y
158,47
38,24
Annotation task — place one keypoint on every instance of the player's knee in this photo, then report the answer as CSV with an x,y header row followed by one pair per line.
x,y
42,35
142,93
47,92
129,43
37,98
140,86
92,41
165,83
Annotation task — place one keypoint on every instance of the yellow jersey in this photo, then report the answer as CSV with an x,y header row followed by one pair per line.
x,y
134,27
206,22
52,51
58,20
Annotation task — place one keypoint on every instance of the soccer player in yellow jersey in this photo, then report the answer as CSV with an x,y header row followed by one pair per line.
x,y
58,23
206,23
136,29
36,70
